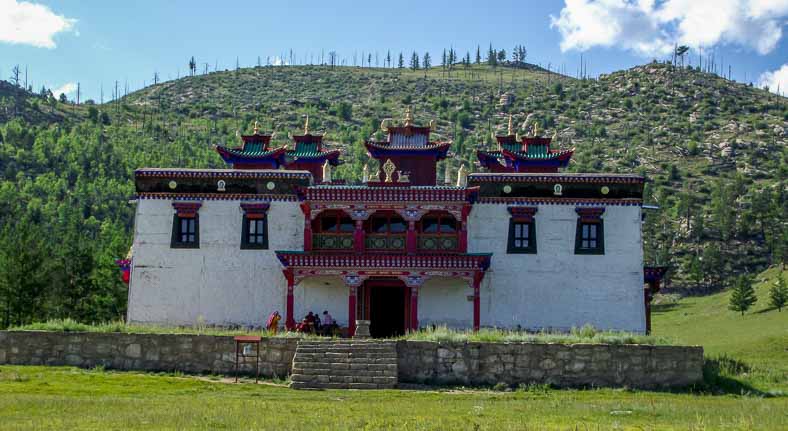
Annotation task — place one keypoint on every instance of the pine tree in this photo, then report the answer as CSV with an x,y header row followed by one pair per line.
x,y
414,61
492,57
743,295
478,55
401,62
778,293
388,58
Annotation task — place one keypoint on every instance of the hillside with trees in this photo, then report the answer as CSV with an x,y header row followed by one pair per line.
x,y
714,152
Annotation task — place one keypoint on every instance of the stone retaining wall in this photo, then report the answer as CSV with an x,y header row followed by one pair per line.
x,y
557,364
145,352
417,361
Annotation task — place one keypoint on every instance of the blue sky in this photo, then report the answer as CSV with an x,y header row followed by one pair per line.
x,y
97,42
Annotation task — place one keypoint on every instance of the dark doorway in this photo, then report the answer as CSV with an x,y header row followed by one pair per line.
x,y
386,309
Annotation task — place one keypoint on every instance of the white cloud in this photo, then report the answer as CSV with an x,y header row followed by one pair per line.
x,y
31,24
67,88
776,80
649,28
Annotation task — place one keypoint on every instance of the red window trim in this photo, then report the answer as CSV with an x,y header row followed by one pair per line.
x,y
186,209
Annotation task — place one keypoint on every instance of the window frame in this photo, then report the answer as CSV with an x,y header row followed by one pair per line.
x,y
175,241
600,237
245,233
338,216
511,248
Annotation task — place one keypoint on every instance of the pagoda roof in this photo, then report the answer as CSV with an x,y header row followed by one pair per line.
x,y
378,149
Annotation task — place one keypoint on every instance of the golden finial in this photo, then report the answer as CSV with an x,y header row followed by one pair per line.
x,y
536,130
256,127
510,132
408,117
365,173
306,125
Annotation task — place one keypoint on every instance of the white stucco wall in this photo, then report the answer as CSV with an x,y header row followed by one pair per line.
x,y
444,301
321,293
218,283
221,284
556,288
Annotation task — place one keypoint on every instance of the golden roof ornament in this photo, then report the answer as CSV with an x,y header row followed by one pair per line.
x,y
365,173
388,169
408,117
536,130
326,172
462,176
511,129
306,125
256,127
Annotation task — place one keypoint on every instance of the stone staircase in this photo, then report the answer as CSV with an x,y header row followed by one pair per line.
x,y
344,364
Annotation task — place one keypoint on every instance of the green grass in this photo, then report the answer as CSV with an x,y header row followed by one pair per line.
x,y
758,341
70,325
587,335
69,398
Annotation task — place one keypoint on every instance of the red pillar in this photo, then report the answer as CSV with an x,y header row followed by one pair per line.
x,y
307,226
351,312
358,237
289,321
414,308
477,280
466,209
410,238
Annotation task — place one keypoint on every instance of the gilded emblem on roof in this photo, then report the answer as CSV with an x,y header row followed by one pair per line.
x,y
388,169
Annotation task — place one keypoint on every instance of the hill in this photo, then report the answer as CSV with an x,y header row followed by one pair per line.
x,y
714,151
759,339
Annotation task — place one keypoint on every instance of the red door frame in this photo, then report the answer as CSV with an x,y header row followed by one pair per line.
x,y
383,283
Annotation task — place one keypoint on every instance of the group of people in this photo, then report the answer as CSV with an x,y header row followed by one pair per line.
x,y
311,323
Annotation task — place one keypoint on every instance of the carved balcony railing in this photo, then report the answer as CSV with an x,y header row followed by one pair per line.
x,y
384,242
438,243
339,242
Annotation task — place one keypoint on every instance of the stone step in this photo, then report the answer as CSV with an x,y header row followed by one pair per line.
x,y
333,364
310,349
326,372
295,385
364,357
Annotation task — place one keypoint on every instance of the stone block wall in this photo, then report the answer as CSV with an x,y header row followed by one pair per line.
x,y
558,364
144,352
417,361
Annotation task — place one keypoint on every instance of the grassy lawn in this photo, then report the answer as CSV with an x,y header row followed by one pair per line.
x,y
69,398
759,339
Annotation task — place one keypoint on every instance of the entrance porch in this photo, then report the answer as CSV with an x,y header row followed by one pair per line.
x,y
383,288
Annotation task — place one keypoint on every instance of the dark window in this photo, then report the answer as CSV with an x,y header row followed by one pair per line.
x,y
444,223
185,232
429,225
336,223
590,238
522,237
254,233
387,224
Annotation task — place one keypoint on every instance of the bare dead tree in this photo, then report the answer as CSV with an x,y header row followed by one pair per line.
x,y
15,71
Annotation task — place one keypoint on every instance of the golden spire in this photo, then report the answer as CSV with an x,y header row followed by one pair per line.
x,y
408,117
256,127
306,125
536,130
511,130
